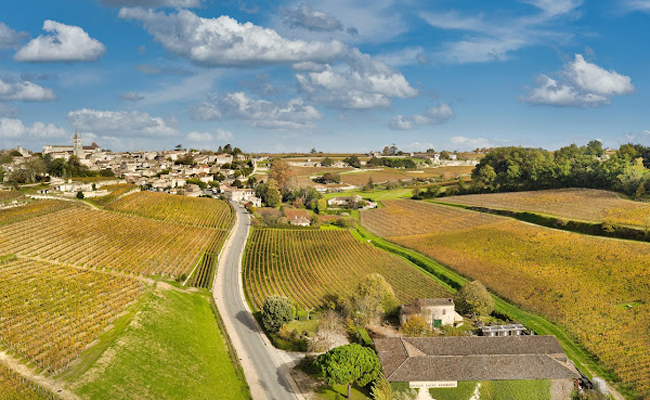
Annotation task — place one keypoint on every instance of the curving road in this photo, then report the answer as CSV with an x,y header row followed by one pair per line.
x,y
265,367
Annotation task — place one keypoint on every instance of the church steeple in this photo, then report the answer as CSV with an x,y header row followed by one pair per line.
x,y
78,147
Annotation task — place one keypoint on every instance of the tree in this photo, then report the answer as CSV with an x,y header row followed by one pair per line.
x,y
313,150
431,150
474,299
349,364
282,173
352,161
80,195
269,193
640,192
373,297
276,311
386,151
178,147
327,162
595,148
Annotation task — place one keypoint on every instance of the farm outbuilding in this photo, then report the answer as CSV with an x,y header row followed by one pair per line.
x,y
441,362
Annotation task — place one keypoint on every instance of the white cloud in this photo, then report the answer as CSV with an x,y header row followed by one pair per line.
x,y
293,114
199,137
221,135
555,7
15,129
130,96
435,115
497,38
122,123
66,43
579,84
224,135
465,143
592,78
24,91
407,56
9,38
152,3
223,41
638,5
308,18
362,83
400,123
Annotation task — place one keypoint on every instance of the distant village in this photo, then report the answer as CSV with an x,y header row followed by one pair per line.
x,y
183,171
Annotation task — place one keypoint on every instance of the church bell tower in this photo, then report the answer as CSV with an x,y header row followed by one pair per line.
x,y
77,146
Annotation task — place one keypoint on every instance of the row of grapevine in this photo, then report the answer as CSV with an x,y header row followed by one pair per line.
x,y
410,217
205,212
103,239
315,267
15,387
204,274
49,313
597,288
32,209
115,192
580,204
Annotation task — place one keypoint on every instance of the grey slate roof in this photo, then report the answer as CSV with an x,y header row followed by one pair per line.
x,y
473,358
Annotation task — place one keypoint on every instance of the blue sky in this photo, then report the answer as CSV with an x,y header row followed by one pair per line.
x,y
336,75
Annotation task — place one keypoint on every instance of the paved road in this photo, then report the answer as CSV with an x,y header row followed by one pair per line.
x,y
265,367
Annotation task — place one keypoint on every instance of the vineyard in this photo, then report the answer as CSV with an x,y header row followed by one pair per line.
x,y
314,267
51,313
204,274
581,204
29,210
394,175
115,192
203,212
15,387
9,196
597,288
104,239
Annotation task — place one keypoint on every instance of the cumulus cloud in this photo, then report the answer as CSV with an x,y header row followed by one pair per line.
x,y
306,17
281,115
122,123
65,43
220,135
362,83
223,41
152,3
15,129
12,90
130,96
435,115
10,39
579,84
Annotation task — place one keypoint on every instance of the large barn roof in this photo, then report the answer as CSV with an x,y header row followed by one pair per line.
x,y
473,358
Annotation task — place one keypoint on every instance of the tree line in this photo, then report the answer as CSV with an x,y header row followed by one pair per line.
x,y
507,169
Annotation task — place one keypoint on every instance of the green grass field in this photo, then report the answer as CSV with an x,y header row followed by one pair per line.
x,y
375,195
497,390
173,349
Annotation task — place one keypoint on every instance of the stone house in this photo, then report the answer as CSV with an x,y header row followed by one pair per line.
x,y
436,312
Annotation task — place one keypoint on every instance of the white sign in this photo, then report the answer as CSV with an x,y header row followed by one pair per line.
x,y
430,385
